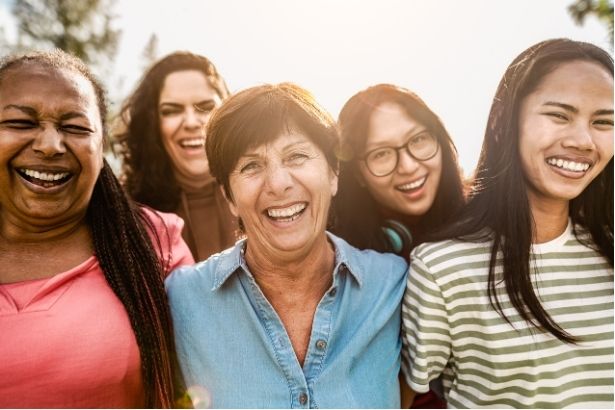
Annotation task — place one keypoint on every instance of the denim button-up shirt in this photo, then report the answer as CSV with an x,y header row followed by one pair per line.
x,y
234,350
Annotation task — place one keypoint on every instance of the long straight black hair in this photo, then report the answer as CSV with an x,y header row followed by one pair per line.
x,y
499,199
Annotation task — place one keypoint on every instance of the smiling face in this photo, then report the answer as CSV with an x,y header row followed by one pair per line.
x,y
566,131
282,192
411,188
50,145
186,102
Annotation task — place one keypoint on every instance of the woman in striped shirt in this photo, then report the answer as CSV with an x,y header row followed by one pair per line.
x,y
516,310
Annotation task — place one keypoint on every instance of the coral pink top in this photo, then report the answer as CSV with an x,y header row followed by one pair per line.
x,y
66,341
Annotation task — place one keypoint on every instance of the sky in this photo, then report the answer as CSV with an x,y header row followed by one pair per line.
x,y
452,53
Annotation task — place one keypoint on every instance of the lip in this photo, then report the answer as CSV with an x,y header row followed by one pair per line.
x,y
414,181
44,169
569,173
286,223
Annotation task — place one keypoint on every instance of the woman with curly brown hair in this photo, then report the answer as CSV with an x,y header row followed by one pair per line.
x,y
163,144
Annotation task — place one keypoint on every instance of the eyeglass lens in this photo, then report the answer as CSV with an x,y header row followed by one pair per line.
x,y
383,161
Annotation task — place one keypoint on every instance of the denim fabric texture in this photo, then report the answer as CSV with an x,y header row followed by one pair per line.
x,y
232,345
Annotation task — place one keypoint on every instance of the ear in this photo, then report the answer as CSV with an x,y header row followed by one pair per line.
x,y
230,202
333,180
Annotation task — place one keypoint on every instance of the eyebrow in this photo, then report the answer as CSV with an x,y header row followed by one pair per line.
x,y
575,110
174,104
32,112
566,107
24,108
408,136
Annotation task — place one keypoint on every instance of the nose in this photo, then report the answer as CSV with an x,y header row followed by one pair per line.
x,y
580,138
49,142
278,179
193,119
406,164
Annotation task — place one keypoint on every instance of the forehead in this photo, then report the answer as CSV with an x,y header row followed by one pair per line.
x,y
48,89
389,121
582,78
285,140
187,85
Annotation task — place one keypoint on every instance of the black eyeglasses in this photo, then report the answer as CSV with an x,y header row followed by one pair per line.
x,y
382,161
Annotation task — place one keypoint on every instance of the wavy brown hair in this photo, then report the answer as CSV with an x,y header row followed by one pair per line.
x,y
147,168
361,225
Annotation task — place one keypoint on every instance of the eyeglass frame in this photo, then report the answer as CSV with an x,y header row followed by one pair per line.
x,y
397,149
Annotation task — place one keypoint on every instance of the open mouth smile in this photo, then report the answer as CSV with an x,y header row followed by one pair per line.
x,y
287,214
192,143
568,165
411,186
45,179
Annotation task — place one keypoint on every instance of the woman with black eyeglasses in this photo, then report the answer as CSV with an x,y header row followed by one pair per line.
x,y
399,177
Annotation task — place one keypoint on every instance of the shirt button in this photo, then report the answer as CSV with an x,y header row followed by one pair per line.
x,y
321,344
303,399
333,291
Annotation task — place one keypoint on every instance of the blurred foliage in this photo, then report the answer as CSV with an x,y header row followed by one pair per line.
x,y
80,27
150,52
602,9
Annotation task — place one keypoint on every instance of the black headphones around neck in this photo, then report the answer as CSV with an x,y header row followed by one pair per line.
x,y
399,237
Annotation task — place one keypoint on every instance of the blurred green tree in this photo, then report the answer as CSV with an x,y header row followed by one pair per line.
x,y
602,9
80,27
150,51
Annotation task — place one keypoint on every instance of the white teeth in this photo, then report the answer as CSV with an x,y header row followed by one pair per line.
x,y
412,185
193,142
45,176
568,165
286,212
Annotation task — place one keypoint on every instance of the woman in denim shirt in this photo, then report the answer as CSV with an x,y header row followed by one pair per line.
x,y
291,316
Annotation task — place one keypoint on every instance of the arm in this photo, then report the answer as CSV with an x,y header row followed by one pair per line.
x,y
407,394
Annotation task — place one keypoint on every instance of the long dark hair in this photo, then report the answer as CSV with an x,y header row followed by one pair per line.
x,y
147,168
121,237
499,197
120,231
358,217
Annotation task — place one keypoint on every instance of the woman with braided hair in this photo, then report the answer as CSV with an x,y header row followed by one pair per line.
x,y
83,312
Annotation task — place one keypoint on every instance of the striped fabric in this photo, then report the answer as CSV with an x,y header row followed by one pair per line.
x,y
450,328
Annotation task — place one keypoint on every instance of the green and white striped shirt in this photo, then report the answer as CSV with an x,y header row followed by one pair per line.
x,y
450,328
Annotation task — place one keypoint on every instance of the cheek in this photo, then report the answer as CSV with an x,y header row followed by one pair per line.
x,y
168,127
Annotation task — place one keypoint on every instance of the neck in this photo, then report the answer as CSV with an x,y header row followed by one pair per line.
x,y
192,182
13,230
550,218
293,277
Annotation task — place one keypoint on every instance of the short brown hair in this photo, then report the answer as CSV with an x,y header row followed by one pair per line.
x,y
257,116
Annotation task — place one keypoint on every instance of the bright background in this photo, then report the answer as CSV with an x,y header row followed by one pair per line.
x,y
451,53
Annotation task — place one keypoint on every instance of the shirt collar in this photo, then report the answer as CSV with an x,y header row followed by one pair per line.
x,y
233,259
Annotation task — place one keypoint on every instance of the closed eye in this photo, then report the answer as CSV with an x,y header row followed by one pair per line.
x,y
557,116
604,122
169,111
205,106
19,124
76,129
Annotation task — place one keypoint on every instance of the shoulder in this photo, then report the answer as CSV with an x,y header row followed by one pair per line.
x,y
165,231
369,265
206,275
163,222
450,254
